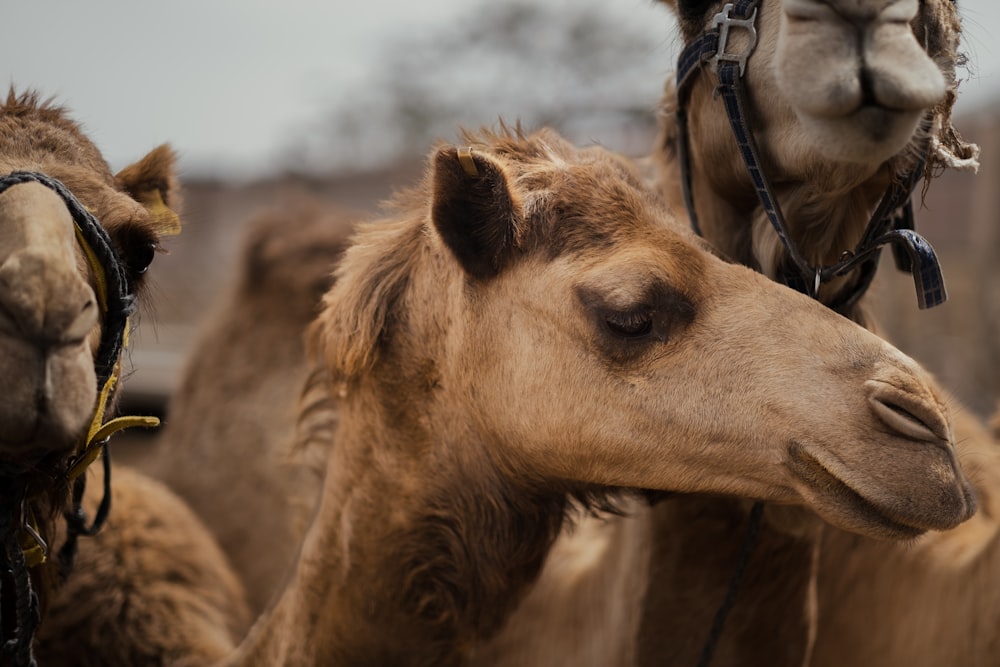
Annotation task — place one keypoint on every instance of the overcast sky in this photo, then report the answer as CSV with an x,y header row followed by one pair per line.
x,y
228,81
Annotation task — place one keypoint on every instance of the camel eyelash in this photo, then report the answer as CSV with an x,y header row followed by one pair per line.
x,y
631,325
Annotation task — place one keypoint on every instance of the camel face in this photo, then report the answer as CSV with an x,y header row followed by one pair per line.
x,y
51,311
47,323
847,81
576,334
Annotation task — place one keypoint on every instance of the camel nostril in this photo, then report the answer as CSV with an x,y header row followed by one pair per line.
x,y
84,322
908,422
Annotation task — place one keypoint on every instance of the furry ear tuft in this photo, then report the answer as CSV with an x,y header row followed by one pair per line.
x,y
358,312
475,210
152,181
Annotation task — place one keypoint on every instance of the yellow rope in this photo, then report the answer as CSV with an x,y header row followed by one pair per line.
x,y
99,430
95,266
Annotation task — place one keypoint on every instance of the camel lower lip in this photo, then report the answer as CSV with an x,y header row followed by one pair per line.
x,y
862,510
879,123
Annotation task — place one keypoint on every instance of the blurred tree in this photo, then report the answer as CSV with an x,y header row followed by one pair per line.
x,y
576,66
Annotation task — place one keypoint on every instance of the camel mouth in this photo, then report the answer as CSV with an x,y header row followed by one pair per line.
x,y
866,132
842,505
883,123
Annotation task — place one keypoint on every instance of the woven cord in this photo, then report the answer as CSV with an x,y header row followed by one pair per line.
x,y
17,649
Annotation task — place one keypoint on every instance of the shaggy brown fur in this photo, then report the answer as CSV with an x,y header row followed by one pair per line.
x,y
533,334
152,588
232,419
135,209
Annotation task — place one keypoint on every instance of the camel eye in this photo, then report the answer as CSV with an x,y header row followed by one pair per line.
x,y
630,324
140,257
136,250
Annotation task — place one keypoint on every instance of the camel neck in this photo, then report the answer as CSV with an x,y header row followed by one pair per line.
x,y
414,553
696,540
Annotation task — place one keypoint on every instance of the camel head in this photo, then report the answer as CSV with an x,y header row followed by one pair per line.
x,y
53,298
843,81
536,312
847,102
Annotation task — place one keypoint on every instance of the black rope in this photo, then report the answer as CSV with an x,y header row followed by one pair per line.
x,y
722,613
17,649
76,518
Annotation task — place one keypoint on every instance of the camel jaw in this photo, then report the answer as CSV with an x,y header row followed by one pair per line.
x,y
848,506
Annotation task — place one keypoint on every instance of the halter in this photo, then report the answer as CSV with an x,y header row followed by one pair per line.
x,y
890,224
22,545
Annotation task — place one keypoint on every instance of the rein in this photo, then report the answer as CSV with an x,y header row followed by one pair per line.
x,y
891,224
22,545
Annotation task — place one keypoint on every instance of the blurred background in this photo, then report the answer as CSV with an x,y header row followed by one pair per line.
x,y
266,102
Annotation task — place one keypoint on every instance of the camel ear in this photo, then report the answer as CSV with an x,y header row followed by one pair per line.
x,y
474,210
152,181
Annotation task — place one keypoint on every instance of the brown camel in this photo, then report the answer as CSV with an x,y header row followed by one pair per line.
x,y
242,443
531,333
75,243
830,141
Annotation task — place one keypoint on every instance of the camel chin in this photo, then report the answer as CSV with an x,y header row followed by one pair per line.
x,y
870,511
868,134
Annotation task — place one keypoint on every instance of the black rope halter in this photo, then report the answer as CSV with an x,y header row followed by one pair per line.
x,y
891,224
117,302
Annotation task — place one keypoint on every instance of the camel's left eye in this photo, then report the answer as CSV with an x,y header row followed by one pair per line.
x,y
630,324
136,250
139,257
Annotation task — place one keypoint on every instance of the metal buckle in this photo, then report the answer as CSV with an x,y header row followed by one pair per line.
x,y
723,21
